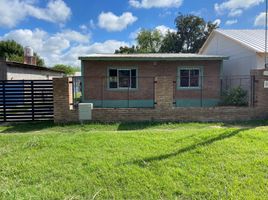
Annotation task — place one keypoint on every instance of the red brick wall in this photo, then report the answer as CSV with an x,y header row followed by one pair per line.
x,y
62,96
95,84
215,114
163,110
261,94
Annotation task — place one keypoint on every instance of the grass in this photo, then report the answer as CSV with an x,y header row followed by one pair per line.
x,y
134,161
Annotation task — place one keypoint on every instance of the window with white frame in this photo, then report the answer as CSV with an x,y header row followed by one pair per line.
x,y
122,78
189,78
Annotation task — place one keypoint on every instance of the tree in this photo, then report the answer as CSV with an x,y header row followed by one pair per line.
x,y
39,61
171,43
14,52
10,49
149,41
68,70
193,31
126,50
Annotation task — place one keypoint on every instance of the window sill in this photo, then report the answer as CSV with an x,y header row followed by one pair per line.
x,y
189,88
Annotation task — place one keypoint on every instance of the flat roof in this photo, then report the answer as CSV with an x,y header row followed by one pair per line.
x,y
35,67
151,57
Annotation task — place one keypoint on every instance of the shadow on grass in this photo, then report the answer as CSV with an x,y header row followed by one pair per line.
x,y
146,161
124,126
251,123
27,127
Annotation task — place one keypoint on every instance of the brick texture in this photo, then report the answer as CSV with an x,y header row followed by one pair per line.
x,y
95,73
164,110
62,94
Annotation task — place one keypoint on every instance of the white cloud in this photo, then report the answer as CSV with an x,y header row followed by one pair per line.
x,y
64,47
83,27
164,29
111,22
236,7
74,36
217,22
200,13
108,46
231,22
14,11
155,3
260,19
235,13
51,47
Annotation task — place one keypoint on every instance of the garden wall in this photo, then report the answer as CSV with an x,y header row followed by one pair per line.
x,y
164,109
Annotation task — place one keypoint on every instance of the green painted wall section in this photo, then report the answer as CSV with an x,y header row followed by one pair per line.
x,y
121,103
150,103
197,102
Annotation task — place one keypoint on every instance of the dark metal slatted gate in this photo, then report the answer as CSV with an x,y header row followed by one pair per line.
x,y
26,100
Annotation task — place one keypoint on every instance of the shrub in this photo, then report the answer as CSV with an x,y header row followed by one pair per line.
x,y
235,97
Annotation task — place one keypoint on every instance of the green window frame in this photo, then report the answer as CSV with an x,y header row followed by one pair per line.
x,y
189,77
122,78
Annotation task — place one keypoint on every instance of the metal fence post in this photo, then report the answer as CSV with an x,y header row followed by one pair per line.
x,y
174,92
129,84
154,82
201,91
102,90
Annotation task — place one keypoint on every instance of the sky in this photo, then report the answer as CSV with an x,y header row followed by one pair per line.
x,y
62,30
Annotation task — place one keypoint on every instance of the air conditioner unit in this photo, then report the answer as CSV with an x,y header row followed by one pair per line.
x,y
85,111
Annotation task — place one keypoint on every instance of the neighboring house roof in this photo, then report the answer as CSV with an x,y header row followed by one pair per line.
x,y
151,57
252,39
34,67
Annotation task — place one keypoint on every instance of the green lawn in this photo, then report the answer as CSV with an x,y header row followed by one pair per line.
x,y
134,161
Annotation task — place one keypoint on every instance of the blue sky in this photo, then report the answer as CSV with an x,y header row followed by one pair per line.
x,y
61,30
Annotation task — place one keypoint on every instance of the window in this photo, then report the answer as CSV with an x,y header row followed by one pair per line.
x,y
189,78
122,78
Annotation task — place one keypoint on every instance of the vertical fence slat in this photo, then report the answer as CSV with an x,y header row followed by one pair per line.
x,y
32,98
4,101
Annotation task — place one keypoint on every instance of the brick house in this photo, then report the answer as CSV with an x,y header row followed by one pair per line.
x,y
119,81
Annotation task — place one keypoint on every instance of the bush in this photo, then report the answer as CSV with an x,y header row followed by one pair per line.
x,y
235,97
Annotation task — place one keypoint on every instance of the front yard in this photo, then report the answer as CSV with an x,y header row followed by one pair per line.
x,y
134,161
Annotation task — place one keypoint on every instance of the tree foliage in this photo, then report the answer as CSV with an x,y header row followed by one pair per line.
x,y
192,32
68,70
149,41
10,49
13,51
39,61
126,50
171,43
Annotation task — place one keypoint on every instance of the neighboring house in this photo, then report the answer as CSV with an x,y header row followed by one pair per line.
x,y
20,71
115,81
245,49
